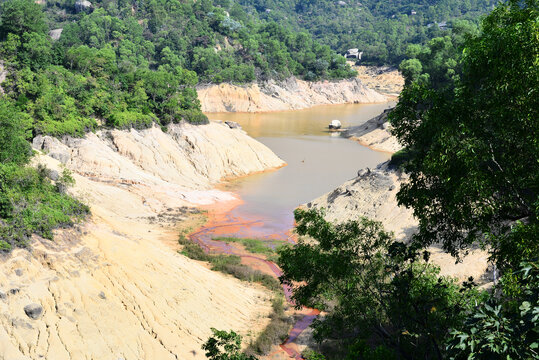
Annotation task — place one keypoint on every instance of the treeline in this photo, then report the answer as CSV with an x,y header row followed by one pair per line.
x,y
216,39
468,117
381,29
33,200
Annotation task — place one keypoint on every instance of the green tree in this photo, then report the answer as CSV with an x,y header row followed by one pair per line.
x,y
506,329
470,125
21,16
371,287
14,134
225,345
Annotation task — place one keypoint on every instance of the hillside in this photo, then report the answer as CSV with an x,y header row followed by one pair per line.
x,y
382,30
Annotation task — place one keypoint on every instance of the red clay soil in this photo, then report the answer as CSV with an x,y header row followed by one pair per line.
x,y
222,223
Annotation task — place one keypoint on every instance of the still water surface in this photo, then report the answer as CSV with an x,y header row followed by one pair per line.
x,y
318,161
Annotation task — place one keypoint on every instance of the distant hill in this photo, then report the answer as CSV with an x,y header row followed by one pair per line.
x,y
382,30
75,65
216,39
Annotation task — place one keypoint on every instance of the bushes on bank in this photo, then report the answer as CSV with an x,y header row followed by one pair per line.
x,y
31,203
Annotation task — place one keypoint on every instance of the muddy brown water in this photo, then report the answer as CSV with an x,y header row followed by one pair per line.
x,y
317,162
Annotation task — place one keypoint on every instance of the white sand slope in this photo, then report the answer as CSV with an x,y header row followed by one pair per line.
x,y
114,289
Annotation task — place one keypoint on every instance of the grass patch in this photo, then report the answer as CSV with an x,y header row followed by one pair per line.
x,y
227,264
275,333
257,246
277,330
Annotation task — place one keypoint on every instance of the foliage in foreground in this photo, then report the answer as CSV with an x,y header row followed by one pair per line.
x,y
225,345
503,329
371,287
468,116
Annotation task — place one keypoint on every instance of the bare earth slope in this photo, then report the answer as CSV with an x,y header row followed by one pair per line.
x,y
383,79
375,134
114,289
372,194
292,94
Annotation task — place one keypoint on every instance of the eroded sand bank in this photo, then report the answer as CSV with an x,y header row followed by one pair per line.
x,y
114,288
292,94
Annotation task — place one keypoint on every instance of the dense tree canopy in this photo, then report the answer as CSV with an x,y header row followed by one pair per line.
x,y
371,287
133,63
470,125
30,201
381,29
468,117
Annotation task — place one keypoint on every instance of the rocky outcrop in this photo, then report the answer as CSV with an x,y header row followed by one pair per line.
x,y
83,5
184,160
116,288
372,194
3,75
291,94
55,34
33,311
375,133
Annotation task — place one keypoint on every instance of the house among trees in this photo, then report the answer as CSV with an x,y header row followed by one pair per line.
x,y
83,5
353,54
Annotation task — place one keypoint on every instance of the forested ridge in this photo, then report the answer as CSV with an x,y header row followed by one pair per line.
x,y
130,63
382,30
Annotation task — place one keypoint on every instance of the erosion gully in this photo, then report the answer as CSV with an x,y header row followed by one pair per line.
x,y
317,162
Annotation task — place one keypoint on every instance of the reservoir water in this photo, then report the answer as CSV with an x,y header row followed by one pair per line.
x,y
317,162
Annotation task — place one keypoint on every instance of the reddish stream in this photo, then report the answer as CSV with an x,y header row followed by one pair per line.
x,y
317,163
222,223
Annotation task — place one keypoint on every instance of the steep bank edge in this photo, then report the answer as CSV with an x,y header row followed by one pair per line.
x,y
375,134
114,289
292,94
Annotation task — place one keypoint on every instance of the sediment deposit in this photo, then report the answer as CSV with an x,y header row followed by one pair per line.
x,y
292,94
114,288
372,194
375,134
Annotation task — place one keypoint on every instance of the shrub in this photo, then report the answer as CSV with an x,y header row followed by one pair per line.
x,y
131,119
30,203
275,333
